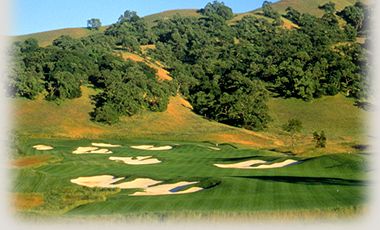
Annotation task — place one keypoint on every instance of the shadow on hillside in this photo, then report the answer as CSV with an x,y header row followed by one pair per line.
x,y
308,180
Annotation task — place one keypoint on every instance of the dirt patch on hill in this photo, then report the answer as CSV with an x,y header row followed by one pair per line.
x,y
22,202
162,74
31,161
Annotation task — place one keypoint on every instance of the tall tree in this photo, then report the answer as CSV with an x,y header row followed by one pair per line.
x,y
94,23
216,9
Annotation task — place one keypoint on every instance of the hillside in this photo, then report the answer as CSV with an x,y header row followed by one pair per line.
x,y
46,38
70,118
309,6
150,19
306,6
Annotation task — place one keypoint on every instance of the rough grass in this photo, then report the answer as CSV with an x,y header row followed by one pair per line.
x,y
334,183
26,201
31,161
70,119
343,123
336,115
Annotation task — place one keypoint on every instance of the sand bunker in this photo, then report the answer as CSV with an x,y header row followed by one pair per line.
x,y
276,165
263,165
151,147
168,189
137,161
138,183
104,181
104,145
88,150
43,147
214,148
241,165
108,181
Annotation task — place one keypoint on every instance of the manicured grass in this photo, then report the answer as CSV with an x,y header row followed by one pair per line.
x,y
331,182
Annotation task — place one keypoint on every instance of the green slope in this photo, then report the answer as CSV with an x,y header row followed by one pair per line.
x,y
328,186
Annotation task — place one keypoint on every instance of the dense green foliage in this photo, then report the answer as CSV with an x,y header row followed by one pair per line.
x,y
218,10
128,88
356,16
226,71
59,70
215,63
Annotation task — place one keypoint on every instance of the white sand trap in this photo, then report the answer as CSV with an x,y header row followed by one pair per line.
x,y
104,145
276,165
241,165
104,181
167,189
248,164
138,183
108,181
88,150
151,147
138,161
43,147
214,148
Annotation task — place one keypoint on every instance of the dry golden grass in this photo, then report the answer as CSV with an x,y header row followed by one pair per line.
x,y
30,161
46,38
23,202
162,74
70,119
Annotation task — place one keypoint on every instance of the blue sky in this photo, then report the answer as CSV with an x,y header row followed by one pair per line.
x,y
31,16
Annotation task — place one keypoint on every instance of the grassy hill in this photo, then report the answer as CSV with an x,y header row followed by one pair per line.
x,y
304,6
70,119
150,19
310,6
46,38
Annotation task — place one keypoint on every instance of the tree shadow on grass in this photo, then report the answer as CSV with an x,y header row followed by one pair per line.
x,y
308,180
